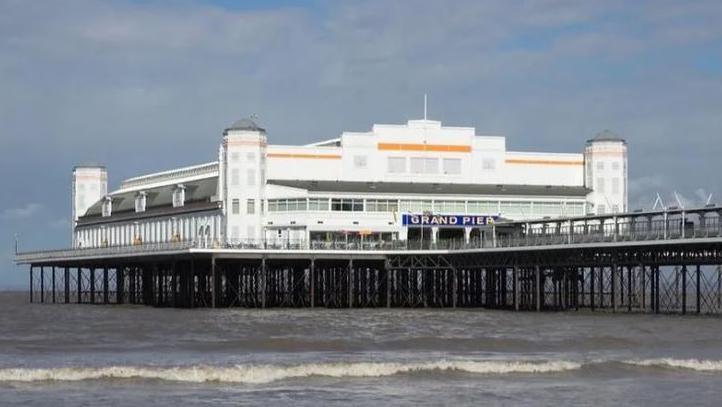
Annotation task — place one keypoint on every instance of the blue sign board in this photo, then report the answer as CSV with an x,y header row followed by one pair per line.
x,y
410,219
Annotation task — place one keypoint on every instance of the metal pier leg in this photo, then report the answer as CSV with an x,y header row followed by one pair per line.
x,y
455,288
92,285
262,282
601,287
80,285
388,282
591,288
684,290
312,273
192,285
629,288
538,289
119,284
214,283
105,285
67,285
53,281
515,270
350,283
31,283
42,284
699,290
656,289
643,277
614,286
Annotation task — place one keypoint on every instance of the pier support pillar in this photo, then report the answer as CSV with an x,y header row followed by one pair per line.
x,y
629,288
538,289
214,283
350,283
92,285
684,290
699,290
262,283
105,285
515,270
312,276
42,284
67,285
31,283
53,281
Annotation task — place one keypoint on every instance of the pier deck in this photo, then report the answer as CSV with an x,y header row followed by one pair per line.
x,y
656,262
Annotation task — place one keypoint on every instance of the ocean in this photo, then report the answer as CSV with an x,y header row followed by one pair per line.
x,y
126,355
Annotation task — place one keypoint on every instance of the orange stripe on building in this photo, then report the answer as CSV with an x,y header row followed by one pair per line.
x,y
305,156
541,162
453,148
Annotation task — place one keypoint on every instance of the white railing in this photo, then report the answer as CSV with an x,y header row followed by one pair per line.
x,y
561,237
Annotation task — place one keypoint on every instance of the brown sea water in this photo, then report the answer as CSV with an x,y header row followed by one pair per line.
x,y
139,356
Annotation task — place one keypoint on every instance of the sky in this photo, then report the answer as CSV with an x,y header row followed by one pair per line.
x,y
142,86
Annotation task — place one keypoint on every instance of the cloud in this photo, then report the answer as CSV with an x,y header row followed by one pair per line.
x,y
60,223
145,86
24,212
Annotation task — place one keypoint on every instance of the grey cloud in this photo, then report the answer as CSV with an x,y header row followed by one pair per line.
x,y
23,212
144,86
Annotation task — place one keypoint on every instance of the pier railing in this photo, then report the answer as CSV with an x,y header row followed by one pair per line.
x,y
514,237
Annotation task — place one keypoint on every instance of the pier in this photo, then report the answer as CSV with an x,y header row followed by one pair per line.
x,y
653,262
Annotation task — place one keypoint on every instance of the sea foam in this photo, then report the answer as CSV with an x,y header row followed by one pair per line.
x,y
268,373
691,364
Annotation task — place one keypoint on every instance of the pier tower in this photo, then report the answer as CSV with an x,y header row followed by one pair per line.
x,y
605,170
242,176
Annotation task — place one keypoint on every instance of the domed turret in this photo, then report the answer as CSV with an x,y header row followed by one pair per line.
x,y
245,125
606,135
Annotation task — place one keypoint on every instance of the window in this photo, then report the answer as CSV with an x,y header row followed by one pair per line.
x,y
251,177
251,156
424,165
615,165
347,205
359,161
488,164
318,204
235,176
553,209
483,207
107,208
600,185
574,208
452,166
600,165
449,207
251,232
179,196
601,209
615,208
236,206
515,209
415,206
250,206
263,209
396,165
235,232
382,205
615,185
286,205
140,201
235,156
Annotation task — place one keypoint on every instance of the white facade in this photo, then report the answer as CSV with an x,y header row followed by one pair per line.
x,y
356,186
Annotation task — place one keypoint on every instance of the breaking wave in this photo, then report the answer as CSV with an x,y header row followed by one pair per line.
x,y
691,364
256,374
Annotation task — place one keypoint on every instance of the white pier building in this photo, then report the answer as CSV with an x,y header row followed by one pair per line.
x,y
415,181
